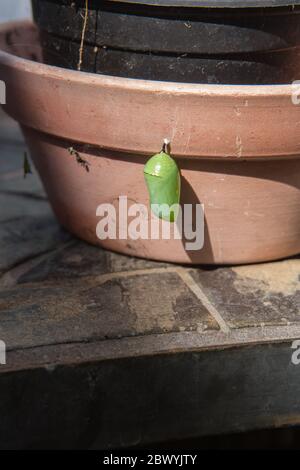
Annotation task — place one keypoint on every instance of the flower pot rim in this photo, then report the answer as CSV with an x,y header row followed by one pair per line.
x,y
134,116
74,76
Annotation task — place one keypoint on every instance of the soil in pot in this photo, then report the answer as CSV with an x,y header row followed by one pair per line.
x,y
183,44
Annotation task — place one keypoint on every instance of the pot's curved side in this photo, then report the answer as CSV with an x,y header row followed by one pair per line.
x,y
252,209
134,116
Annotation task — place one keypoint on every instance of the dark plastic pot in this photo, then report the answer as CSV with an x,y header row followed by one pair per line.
x,y
175,43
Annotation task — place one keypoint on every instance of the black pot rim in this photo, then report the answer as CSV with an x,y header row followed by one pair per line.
x,y
246,5
215,3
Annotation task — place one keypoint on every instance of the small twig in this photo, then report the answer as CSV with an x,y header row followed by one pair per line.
x,y
79,159
86,16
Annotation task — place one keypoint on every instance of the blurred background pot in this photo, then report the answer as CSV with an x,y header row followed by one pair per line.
x,y
237,147
175,40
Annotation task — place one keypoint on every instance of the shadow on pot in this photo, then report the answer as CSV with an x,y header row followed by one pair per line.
x,y
188,196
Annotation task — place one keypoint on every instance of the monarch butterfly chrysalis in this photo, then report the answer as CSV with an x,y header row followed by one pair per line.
x,y
163,182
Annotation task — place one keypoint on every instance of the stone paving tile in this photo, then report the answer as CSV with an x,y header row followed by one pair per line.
x,y
27,225
19,196
139,305
254,295
12,148
14,207
11,161
167,303
10,131
26,237
80,259
12,173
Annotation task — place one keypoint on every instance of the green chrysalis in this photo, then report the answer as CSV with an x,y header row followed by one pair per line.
x,y
163,182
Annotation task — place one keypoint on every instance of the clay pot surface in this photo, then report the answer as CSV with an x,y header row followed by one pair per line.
x,y
237,147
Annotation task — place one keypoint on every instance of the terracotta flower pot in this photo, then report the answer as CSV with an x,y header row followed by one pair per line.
x,y
237,147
